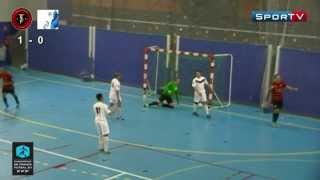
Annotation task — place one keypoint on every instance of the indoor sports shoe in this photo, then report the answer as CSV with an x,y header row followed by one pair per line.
x,y
120,118
195,114
107,152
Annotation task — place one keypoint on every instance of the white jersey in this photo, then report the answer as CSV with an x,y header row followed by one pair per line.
x,y
101,111
114,87
199,84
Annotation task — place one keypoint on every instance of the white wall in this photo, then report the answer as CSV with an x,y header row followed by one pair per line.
x,y
7,6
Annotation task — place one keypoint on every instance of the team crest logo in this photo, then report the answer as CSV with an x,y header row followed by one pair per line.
x,y
21,18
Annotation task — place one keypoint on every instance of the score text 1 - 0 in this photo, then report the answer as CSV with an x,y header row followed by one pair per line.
x,y
39,40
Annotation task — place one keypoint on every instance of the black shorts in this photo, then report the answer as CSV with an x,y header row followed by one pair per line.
x,y
277,104
165,98
8,90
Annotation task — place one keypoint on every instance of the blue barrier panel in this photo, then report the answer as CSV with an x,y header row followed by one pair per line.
x,y
2,32
122,52
301,69
249,63
64,51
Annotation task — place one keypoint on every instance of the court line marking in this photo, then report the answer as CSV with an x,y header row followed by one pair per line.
x,y
44,136
179,171
115,176
186,105
81,161
29,121
25,82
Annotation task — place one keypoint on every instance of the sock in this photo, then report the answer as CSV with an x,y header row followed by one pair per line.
x,y
118,112
5,101
195,107
16,99
106,143
275,117
101,142
206,109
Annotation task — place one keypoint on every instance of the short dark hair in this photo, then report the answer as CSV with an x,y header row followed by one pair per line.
x,y
99,96
116,75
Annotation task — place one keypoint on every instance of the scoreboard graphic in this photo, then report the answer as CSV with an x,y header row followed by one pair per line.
x,y
21,18
47,19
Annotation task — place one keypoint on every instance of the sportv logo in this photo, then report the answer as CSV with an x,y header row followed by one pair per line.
x,y
279,16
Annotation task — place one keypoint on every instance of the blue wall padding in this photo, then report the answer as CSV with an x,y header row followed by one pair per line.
x,y
6,29
301,69
249,63
2,32
122,52
64,51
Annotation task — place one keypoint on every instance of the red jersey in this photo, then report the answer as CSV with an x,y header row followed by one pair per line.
x,y
7,80
277,90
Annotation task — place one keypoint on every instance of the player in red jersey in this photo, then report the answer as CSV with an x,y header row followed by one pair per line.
x,y
276,90
7,87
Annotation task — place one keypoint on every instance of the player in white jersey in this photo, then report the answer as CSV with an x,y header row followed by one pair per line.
x,y
101,111
115,97
199,84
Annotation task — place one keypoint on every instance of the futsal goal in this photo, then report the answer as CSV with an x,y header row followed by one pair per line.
x,y
158,70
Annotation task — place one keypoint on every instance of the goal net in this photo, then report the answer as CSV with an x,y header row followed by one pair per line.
x,y
162,66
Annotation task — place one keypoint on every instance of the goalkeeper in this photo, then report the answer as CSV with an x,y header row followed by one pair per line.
x,y
166,94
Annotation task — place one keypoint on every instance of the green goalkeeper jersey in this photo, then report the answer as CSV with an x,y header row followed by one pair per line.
x,y
170,89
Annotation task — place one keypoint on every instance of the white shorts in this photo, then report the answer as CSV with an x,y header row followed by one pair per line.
x,y
114,99
102,128
202,98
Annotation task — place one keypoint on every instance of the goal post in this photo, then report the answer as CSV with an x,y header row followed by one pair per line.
x,y
154,75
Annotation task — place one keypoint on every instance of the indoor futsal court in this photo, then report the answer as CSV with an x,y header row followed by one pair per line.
x,y
159,90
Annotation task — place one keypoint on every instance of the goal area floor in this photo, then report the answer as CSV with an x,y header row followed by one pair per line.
x,y
157,143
